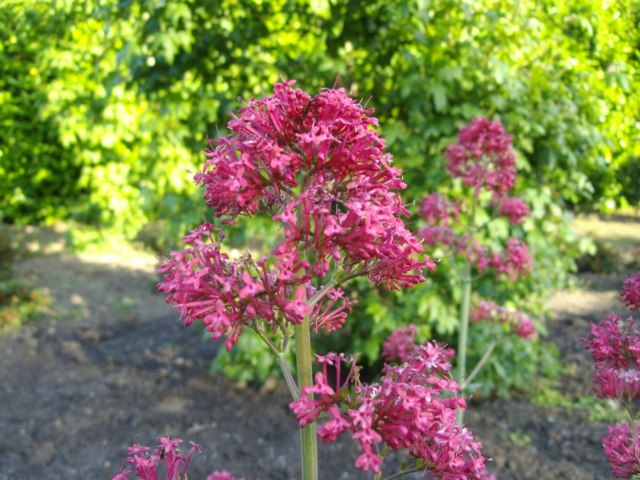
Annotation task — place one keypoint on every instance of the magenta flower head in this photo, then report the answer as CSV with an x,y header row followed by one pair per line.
x,y
483,157
631,292
614,344
623,451
318,167
412,408
146,462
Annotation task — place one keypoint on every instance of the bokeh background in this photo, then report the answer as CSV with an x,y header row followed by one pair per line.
x,y
105,108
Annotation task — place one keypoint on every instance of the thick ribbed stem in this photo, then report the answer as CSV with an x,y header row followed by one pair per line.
x,y
308,439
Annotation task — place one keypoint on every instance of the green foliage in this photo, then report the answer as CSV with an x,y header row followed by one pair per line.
x,y
106,105
515,364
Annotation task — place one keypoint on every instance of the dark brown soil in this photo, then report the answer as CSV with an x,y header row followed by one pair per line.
x,y
110,364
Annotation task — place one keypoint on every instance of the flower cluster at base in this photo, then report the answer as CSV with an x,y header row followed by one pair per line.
x,y
148,463
317,166
413,407
614,345
521,323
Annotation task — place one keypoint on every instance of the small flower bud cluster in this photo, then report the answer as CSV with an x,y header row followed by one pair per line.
x,y
411,408
614,345
318,167
519,322
145,461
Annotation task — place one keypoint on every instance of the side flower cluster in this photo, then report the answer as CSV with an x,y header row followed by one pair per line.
x,y
317,166
614,345
412,408
519,322
230,295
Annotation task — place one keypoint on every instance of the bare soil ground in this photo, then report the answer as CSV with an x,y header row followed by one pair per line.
x,y
110,364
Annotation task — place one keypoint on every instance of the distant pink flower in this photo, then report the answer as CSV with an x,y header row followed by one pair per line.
x,y
483,157
400,345
520,323
436,209
623,451
484,310
437,235
525,328
515,209
410,408
220,475
514,261
631,292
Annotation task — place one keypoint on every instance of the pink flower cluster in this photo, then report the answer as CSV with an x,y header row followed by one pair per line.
x,y
631,292
145,461
512,262
622,450
410,408
317,166
400,345
520,323
483,157
230,295
614,344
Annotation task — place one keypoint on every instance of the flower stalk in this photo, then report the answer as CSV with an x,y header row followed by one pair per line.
x,y
308,438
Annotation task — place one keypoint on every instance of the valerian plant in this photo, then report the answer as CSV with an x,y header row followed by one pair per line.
x,y
483,162
317,166
614,345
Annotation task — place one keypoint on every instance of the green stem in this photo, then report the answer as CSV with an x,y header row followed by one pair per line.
x,y
479,365
288,377
464,332
308,438
466,301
